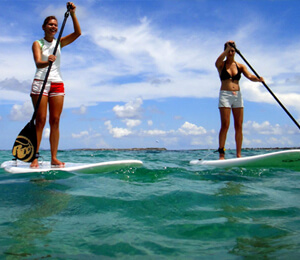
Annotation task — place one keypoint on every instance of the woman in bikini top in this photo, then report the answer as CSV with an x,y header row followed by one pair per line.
x,y
230,73
225,75
229,70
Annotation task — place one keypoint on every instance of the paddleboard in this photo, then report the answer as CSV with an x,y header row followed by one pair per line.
x,y
23,167
284,159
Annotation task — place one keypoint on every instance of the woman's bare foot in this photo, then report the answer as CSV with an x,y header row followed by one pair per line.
x,y
35,163
221,153
57,163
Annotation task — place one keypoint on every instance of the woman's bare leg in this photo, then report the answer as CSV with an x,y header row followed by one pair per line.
x,y
225,122
40,122
55,110
238,116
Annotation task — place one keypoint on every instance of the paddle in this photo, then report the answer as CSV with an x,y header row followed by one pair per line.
x,y
294,120
25,145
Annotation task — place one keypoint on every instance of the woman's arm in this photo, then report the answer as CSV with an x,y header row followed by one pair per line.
x,y
66,40
37,56
219,62
248,75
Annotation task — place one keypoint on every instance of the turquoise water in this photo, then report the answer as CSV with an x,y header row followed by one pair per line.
x,y
164,210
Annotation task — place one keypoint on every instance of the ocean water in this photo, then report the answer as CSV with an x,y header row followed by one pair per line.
x,y
166,209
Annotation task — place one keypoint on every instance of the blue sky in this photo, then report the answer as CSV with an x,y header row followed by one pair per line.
x,y
142,74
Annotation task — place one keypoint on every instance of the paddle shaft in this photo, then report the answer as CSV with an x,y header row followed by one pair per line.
x,y
50,63
270,91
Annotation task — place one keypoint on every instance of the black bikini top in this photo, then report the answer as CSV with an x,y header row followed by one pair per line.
x,y
225,75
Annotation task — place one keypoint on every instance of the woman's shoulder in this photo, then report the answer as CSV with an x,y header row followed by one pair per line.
x,y
220,64
40,42
43,41
240,65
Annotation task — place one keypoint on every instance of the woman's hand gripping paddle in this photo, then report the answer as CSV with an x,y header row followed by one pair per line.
x,y
25,145
270,91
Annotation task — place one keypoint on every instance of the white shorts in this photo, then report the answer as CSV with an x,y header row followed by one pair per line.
x,y
230,99
52,89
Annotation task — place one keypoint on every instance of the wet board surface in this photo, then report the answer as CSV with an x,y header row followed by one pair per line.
x,y
22,167
284,159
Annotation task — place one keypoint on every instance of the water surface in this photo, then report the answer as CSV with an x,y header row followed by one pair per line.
x,y
167,209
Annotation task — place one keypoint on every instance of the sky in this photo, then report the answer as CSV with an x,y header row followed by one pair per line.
x,y
142,74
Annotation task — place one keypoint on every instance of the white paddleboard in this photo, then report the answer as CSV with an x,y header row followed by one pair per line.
x,y
22,167
284,159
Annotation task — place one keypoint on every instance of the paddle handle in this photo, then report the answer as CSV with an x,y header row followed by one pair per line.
x,y
50,62
266,86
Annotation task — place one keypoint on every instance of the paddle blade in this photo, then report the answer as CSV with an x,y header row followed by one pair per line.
x,y
24,147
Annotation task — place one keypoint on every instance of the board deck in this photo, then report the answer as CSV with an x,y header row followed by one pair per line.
x,y
284,159
22,167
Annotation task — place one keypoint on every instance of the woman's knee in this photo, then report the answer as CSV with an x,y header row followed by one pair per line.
x,y
40,121
54,121
225,125
238,126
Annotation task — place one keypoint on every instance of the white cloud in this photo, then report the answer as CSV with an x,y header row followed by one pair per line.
x,y
7,39
23,70
159,64
252,142
170,141
132,109
280,141
137,45
81,111
256,92
117,132
191,129
46,132
21,112
81,134
154,132
122,59
132,122
265,128
13,84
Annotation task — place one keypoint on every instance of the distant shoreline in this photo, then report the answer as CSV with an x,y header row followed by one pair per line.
x,y
165,149
121,149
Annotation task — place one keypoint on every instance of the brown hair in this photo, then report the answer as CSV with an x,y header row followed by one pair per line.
x,y
48,19
225,45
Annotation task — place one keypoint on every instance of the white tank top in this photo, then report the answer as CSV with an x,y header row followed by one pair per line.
x,y
47,49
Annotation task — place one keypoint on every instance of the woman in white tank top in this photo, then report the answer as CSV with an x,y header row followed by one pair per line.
x,y
53,95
